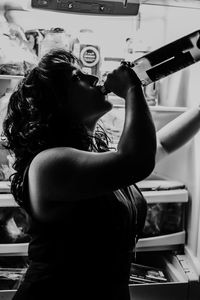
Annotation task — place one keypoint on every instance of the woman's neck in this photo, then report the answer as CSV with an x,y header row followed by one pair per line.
x,y
90,126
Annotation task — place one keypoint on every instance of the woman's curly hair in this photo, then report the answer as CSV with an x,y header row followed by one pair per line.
x,y
35,120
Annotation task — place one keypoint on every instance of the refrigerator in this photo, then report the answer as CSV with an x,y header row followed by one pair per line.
x,y
171,243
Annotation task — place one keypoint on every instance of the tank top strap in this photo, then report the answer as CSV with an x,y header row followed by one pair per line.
x,y
141,204
25,191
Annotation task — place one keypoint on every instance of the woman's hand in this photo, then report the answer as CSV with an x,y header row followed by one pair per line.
x,y
120,80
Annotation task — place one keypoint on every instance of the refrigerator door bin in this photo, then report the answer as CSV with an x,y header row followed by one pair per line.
x,y
12,270
13,224
164,219
7,295
179,278
162,242
165,222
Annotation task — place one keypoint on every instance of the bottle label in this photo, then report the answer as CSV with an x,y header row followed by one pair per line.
x,y
141,65
171,66
195,51
89,56
168,59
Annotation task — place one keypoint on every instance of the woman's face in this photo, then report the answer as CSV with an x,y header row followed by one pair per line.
x,y
85,100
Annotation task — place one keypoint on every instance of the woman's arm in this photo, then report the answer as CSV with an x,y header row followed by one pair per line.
x,y
177,132
138,139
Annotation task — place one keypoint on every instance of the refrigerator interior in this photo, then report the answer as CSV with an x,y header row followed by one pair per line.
x,y
181,265
173,260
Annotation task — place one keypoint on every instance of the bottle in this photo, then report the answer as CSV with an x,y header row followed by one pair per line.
x,y
166,60
129,52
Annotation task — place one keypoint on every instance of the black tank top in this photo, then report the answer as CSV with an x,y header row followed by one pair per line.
x,y
90,247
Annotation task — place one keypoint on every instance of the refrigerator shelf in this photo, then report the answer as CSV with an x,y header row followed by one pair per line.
x,y
166,196
4,76
7,294
7,200
165,242
4,184
162,242
20,249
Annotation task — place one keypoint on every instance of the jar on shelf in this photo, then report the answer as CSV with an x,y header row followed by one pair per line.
x,y
86,47
55,38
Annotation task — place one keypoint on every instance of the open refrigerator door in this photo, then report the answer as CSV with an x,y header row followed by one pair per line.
x,y
180,264
172,194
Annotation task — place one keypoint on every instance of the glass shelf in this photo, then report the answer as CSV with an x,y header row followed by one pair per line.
x,y
20,249
2,76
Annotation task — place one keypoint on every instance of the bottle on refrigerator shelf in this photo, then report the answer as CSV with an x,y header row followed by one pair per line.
x,y
87,49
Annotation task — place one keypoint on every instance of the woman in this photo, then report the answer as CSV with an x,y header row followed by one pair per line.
x,y
83,217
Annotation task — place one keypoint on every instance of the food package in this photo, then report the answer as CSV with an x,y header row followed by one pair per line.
x,y
164,218
146,274
55,38
15,55
13,225
10,278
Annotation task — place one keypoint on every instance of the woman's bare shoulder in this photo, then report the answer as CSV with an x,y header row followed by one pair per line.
x,y
52,156
46,182
48,165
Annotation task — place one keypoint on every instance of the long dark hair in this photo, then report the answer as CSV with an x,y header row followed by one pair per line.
x,y
34,119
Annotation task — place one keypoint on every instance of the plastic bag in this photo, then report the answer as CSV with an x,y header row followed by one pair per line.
x,y
15,55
